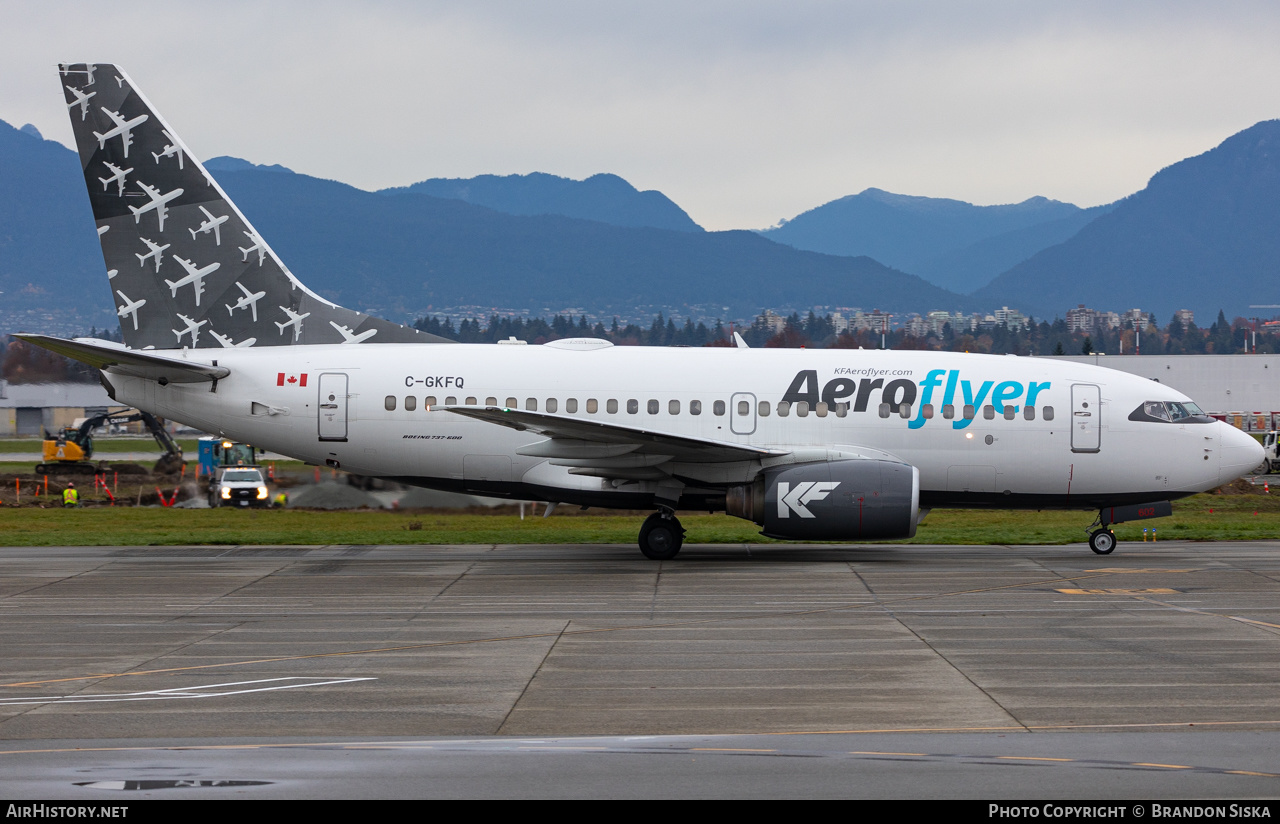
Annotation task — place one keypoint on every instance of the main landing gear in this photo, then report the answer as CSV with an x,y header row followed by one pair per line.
x,y
1102,541
661,536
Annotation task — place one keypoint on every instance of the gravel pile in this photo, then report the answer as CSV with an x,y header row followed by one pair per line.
x,y
331,495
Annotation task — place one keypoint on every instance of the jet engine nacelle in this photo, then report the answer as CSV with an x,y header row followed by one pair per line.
x,y
851,500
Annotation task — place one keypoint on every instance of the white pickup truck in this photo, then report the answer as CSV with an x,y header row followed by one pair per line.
x,y
238,486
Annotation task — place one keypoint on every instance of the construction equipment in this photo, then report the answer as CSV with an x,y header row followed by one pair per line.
x,y
71,449
219,452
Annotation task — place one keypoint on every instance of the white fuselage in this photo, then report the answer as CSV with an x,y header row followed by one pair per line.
x,y
1073,456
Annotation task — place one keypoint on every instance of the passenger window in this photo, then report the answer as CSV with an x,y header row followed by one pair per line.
x,y
904,409
884,410
842,409
717,408
968,411
1048,413
821,409
390,403
471,402
1029,413
802,409
450,401
652,407
695,407
490,401
571,405
926,411
410,403
762,409
531,404
784,409
673,407
744,408
948,411
612,407
552,405
1010,411
512,403
989,412
633,406
593,406
430,401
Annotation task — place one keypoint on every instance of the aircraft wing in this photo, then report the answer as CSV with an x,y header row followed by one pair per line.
x,y
595,442
118,360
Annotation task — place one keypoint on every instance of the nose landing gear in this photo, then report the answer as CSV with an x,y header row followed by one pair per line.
x,y
661,536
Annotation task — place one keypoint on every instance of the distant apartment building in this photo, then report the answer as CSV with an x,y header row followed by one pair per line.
x,y
1088,321
1185,317
772,321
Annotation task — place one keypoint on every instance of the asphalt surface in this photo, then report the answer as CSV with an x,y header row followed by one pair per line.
x,y
572,671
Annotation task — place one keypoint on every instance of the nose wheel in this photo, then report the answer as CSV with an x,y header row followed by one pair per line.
x,y
661,536
1102,541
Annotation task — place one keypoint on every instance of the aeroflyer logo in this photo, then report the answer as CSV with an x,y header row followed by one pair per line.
x,y
794,500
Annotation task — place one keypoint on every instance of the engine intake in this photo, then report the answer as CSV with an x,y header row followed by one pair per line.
x,y
832,501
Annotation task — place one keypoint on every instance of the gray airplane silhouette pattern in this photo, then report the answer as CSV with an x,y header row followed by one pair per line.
x,y
159,212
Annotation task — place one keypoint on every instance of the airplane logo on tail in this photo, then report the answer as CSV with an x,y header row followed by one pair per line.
x,y
123,129
158,202
130,308
82,100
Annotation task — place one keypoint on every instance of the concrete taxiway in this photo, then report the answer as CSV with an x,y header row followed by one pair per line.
x,y
1160,659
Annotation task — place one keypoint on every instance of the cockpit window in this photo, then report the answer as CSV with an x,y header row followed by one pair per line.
x,y
1169,412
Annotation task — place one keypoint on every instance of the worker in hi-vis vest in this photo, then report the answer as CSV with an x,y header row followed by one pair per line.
x,y
69,496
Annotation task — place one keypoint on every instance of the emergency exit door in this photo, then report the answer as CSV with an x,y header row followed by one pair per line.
x,y
1086,418
333,406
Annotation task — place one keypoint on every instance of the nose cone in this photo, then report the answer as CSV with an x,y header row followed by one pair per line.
x,y
1241,453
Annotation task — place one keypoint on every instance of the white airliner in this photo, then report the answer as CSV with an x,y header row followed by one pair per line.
x,y
210,224
159,202
130,308
193,329
812,445
123,129
195,277
350,336
295,320
249,301
117,177
171,148
82,100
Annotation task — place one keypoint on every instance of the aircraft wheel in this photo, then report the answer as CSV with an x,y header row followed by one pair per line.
x,y
1102,541
661,537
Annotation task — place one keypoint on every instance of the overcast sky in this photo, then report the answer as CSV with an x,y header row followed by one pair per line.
x,y
744,113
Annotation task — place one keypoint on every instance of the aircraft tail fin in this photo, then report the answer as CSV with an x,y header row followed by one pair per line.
x,y
170,234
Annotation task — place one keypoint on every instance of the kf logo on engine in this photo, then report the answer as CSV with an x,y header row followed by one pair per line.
x,y
794,500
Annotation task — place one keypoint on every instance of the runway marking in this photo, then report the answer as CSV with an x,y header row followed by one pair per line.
x,y
1031,758
560,633
1122,571
205,691
1119,591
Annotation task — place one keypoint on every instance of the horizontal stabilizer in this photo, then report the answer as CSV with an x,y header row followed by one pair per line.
x,y
120,361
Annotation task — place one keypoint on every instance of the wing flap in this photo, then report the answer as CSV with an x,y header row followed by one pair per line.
x,y
574,431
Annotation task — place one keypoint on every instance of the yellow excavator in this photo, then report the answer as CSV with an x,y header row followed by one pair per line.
x,y
71,449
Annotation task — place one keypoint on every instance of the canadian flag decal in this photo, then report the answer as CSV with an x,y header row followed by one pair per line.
x,y
292,380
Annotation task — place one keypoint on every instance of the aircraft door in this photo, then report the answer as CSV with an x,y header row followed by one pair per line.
x,y
742,413
1086,418
333,406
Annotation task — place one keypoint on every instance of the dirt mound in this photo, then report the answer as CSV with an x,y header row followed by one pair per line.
x,y
331,495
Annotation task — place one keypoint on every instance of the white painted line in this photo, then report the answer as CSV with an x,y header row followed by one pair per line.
x,y
205,691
